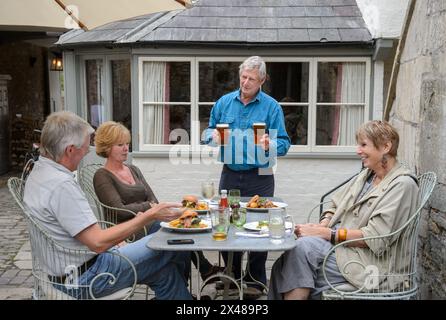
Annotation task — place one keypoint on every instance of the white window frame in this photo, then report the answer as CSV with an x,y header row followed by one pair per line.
x,y
194,104
106,79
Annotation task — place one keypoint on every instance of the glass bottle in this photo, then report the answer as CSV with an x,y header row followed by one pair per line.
x,y
224,199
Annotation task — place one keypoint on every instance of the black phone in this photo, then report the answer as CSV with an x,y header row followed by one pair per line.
x,y
180,241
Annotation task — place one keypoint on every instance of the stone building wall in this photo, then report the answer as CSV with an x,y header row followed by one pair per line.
x,y
419,112
26,64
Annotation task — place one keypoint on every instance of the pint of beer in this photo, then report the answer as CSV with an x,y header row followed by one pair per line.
x,y
259,130
223,128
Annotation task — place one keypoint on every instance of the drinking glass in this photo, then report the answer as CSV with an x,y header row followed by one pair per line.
x,y
208,192
276,225
238,217
220,223
234,198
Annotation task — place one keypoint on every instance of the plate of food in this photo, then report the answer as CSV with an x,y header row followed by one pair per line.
x,y
192,202
256,225
262,204
264,225
188,222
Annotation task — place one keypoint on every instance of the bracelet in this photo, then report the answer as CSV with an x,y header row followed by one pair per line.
x,y
333,237
342,235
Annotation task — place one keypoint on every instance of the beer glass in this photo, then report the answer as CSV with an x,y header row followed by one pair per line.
x,y
259,130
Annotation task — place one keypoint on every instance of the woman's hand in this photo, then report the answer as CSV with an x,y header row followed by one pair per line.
x,y
312,229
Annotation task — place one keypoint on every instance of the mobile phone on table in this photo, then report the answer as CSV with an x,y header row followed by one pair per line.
x,y
180,241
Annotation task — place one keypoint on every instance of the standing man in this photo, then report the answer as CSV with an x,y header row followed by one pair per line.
x,y
57,202
247,165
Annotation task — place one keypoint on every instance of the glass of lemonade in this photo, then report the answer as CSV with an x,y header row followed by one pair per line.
x,y
276,225
220,223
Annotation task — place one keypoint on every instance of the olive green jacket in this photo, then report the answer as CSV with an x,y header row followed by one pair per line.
x,y
382,210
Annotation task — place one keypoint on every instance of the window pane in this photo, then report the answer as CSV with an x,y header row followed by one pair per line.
x,y
337,125
121,92
204,114
160,120
217,79
296,123
288,81
166,81
341,82
95,105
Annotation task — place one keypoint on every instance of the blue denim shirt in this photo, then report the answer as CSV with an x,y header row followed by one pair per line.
x,y
241,153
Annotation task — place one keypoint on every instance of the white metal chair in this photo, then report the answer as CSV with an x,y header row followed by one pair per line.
x,y
103,211
399,259
48,255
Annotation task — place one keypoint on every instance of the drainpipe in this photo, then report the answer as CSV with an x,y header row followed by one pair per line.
x,y
396,63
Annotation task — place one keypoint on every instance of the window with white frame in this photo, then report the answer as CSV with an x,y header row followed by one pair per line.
x,y
324,99
107,90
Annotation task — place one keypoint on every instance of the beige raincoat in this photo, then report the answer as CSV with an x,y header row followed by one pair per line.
x,y
382,210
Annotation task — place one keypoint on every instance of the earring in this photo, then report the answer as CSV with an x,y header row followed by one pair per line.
x,y
384,160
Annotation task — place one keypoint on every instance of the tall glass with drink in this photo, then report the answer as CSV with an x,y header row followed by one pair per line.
x,y
207,191
259,130
220,223
276,225
223,131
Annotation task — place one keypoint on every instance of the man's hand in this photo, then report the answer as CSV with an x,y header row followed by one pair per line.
x,y
264,142
216,136
165,211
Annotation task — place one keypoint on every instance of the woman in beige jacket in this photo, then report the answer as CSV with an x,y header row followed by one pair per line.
x,y
377,202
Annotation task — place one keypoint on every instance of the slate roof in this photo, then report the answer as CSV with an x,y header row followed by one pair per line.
x,y
238,22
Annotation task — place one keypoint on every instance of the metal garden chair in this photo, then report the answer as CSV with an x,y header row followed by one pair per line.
x,y
103,211
399,259
49,257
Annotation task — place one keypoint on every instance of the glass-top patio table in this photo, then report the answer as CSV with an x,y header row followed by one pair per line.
x,y
234,243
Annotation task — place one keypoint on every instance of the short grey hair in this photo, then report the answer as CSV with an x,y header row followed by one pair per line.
x,y
62,129
252,63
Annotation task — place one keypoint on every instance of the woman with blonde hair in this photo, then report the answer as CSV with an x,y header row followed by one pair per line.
x,y
123,185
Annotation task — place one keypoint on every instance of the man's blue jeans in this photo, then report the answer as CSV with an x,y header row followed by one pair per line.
x,y
162,271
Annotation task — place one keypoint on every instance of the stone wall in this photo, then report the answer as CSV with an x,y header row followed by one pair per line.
x,y
419,114
26,64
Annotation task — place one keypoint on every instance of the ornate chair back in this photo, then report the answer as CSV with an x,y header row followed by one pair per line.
x,y
394,253
55,267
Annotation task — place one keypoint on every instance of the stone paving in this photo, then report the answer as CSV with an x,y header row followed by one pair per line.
x,y
16,280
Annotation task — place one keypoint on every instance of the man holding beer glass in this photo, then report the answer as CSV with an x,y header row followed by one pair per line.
x,y
249,126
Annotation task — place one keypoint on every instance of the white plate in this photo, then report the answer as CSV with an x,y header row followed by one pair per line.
x,y
166,225
279,205
253,226
197,211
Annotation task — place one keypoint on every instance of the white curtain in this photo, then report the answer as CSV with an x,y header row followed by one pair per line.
x,y
353,91
154,90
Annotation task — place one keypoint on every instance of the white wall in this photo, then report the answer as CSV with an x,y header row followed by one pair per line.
x,y
384,18
300,182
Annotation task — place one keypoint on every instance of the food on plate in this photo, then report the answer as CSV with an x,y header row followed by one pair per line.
x,y
189,201
192,202
261,203
261,224
189,219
